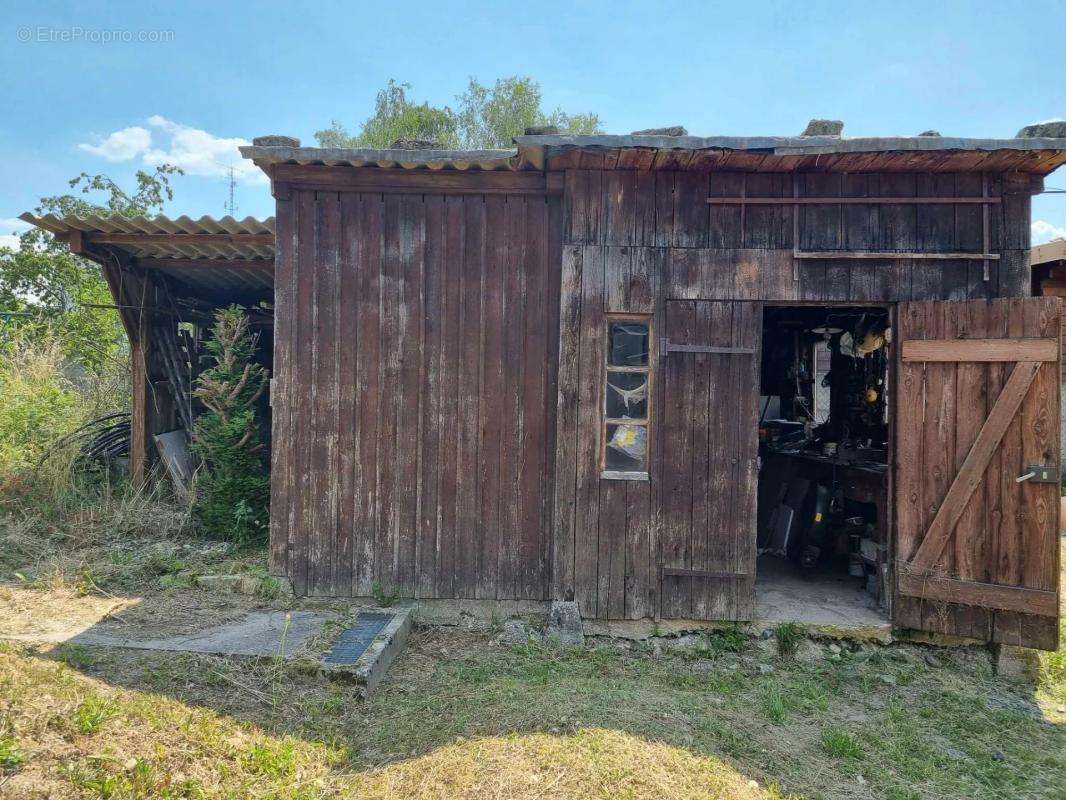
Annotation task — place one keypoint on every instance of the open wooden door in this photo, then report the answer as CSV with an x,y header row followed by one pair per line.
x,y
709,352
977,469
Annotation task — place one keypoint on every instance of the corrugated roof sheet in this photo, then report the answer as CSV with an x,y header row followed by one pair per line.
x,y
403,159
225,248
204,268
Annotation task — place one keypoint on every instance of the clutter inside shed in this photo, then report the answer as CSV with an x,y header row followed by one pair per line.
x,y
823,447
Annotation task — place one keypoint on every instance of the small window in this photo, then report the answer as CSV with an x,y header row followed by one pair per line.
x,y
627,399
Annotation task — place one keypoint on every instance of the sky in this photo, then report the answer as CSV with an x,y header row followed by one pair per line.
x,y
116,87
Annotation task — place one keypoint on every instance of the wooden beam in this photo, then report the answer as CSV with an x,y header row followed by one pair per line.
x,y
261,239
888,254
847,201
948,350
666,347
973,467
76,242
421,181
205,263
985,595
677,572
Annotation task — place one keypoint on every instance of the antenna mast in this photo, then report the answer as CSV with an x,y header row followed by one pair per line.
x,y
230,205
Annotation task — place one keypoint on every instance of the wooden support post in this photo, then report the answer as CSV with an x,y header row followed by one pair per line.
x,y
795,226
141,390
139,414
986,238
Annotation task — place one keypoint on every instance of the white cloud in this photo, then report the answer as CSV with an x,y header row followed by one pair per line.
x,y
196,151
121,145
201,153
1044,231
13,225
10,228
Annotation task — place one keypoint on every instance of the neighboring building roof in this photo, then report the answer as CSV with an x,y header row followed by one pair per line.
x,y
217,259
1046,253
744,153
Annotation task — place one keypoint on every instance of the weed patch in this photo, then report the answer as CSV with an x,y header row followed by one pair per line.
x,y
840,744
92,713
788,636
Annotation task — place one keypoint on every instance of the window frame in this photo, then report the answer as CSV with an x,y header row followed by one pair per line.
x,y
604,421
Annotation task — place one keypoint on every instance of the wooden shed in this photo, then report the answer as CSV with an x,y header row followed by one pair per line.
x,y
585,369
669,377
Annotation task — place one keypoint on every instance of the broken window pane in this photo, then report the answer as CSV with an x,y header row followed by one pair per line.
x,y
627,395
627,448
627,344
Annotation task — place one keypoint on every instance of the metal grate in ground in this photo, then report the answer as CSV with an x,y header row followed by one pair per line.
x,y
354,641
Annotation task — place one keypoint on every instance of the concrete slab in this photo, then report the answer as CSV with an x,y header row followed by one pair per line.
x,y
782,594
265,633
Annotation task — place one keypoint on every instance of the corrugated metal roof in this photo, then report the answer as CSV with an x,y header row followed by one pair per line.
x,y
216,265
226,247
744,153
402,159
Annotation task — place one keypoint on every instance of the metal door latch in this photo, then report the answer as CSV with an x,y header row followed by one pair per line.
x,y
1038,473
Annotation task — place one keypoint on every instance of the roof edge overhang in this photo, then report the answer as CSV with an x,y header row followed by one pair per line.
x,y
1038,156
219,260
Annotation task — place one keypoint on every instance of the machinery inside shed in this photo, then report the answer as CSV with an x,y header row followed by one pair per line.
x,y
823,449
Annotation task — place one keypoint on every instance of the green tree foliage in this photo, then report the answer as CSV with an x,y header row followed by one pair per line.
x,y
487,117
233,486
490,117
44,287
395,117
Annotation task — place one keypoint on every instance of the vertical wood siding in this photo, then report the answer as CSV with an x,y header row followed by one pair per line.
x,y
416,348
439,359
634,240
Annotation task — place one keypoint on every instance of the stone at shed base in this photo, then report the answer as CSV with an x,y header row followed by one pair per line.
x,y
564,624
515,631
1016,662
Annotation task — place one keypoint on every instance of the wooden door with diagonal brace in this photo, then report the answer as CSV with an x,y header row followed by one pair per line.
x,y
977,469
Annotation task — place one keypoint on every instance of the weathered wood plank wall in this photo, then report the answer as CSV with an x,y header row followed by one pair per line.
x,y
635,239
416,342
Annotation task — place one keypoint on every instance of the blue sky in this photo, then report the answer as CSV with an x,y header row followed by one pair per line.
x,y
211,75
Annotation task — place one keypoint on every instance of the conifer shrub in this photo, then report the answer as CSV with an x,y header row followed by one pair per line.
x,y
232,493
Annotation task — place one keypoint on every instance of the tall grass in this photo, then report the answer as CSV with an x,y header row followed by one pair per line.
x,y
58,522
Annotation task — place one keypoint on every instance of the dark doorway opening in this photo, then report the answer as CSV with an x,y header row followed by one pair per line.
x,y
823,494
